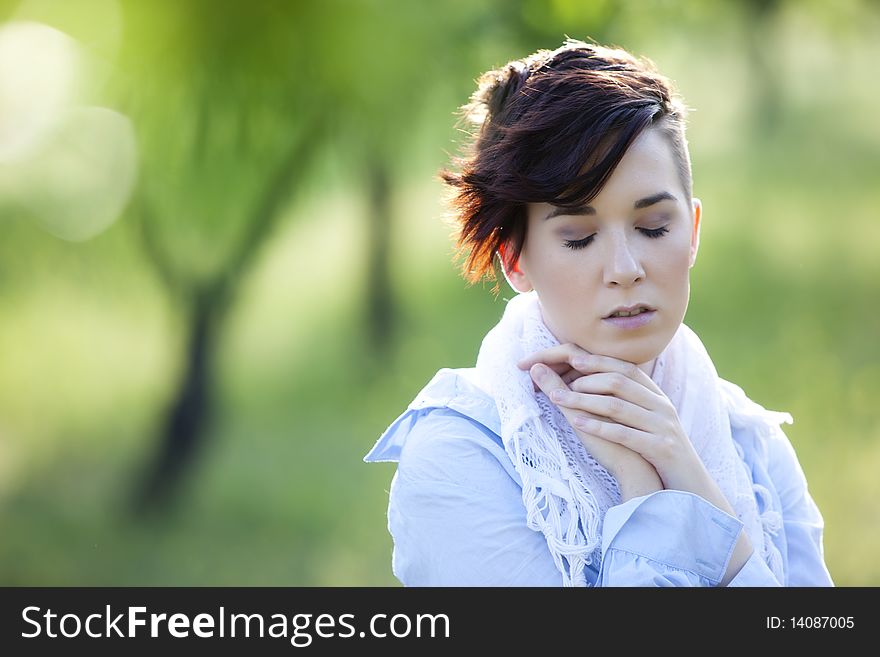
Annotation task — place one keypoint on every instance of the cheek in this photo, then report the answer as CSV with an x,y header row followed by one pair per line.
x,y
674,266
565,283
549,265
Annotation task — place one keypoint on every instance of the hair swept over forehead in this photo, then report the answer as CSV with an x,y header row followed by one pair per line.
x,y
552,127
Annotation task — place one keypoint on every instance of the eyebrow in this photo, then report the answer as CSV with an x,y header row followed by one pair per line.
x,y
590,210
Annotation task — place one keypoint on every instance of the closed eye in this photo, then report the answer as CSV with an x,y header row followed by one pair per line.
x,y
653,233
579,244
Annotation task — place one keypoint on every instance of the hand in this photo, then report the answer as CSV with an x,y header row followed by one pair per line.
x,y
616,403
634,475
613,401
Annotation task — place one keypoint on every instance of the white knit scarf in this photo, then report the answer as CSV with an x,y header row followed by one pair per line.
x,y
566,492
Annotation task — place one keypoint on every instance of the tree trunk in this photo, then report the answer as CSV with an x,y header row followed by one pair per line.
x,y
764,58
186,419
379,296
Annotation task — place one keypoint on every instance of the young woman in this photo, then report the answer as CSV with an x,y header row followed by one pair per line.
x,y
593,443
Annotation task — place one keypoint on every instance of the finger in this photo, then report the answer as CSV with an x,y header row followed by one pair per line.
x,y
617,385
559,365
563,370
588,363
563,353
593,364
559,368
570,375
607,406
634,439
547,379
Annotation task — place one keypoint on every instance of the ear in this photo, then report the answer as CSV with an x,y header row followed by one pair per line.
x,y
695,231
513,273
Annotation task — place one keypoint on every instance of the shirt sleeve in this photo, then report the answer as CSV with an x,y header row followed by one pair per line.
x,y
670,533
667,538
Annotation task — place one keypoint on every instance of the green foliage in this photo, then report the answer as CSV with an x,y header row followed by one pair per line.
x,y
782,291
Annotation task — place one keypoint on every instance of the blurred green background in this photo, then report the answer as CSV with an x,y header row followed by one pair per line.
x,y
224,267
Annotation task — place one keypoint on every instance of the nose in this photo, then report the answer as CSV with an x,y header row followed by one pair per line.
x,y
623,266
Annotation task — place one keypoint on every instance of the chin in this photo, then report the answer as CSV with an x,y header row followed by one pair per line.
x,y
636,356
643,352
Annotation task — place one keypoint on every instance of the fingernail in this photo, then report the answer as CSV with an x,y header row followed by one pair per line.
x,y
539,370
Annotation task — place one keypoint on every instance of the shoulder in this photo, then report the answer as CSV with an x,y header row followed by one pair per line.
x,y
762,441
455,508
445,446
449,432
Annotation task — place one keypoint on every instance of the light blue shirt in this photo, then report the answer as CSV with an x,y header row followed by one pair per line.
x,y
457,518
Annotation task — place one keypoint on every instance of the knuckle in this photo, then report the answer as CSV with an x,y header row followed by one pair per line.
x,y
613,432
589,423
572,350
664,447
631,371
619,434
613,405
615,383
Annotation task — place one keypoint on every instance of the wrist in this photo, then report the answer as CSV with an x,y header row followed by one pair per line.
x,y
699,482
644,482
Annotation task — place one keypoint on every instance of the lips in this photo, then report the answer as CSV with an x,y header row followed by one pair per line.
x,y
629,311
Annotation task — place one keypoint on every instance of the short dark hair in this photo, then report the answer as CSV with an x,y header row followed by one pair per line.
x,y
541,120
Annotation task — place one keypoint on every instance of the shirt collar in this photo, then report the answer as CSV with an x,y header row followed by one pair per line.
x,y
456,389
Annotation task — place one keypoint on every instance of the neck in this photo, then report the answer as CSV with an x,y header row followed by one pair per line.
x,y
648,368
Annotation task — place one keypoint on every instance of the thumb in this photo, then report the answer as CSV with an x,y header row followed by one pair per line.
x,y
546,379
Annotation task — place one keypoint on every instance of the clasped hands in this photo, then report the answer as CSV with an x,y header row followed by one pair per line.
x,y
622,417
630,427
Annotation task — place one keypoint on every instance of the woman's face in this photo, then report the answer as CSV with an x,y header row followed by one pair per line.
x,y
633,246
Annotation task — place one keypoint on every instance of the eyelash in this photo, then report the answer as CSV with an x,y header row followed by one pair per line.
x,y
652,233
